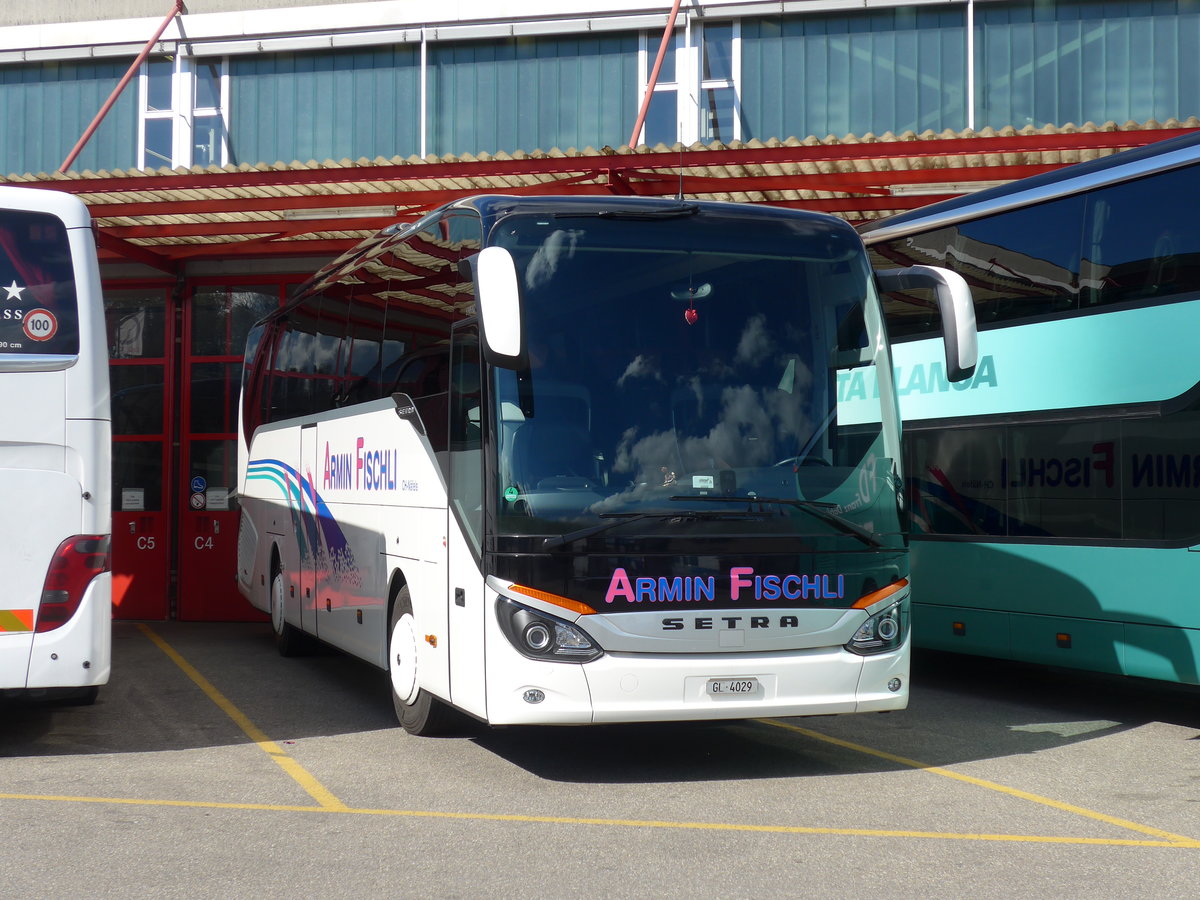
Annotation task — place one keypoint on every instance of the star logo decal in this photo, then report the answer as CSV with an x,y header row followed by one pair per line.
x,y
14,292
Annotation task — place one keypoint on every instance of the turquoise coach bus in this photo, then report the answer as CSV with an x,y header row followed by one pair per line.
x,y
1055,495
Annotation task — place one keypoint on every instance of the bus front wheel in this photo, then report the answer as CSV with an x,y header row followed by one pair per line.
x,y
419,711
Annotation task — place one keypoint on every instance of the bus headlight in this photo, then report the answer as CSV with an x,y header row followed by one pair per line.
x,y
884,631
544,637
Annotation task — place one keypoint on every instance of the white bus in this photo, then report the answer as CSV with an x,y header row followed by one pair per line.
x,y
575,460
55,449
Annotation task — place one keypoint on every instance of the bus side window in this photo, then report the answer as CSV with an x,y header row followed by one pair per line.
x,y
465,463
425,377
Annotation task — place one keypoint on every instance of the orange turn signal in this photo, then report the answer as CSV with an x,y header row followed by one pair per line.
x,y
875,596
555,599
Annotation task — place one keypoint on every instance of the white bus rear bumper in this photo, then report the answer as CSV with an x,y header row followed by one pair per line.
x,y
79,653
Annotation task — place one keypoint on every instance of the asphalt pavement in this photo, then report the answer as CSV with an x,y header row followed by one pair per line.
x,y
212,767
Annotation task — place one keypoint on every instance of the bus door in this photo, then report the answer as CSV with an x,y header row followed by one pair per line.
x,y
465,594
214,340
139,330
308,528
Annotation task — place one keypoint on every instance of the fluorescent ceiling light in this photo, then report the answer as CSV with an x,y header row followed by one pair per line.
x,y
943,187
340,212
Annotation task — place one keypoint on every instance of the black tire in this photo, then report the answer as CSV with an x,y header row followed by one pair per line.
x,y
418,711
289,640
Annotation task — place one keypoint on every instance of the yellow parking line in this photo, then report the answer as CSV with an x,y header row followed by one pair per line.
x,y
1172,839
618,823
328,803
300,774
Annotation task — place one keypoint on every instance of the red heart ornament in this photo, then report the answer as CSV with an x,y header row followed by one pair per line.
x,y
690,316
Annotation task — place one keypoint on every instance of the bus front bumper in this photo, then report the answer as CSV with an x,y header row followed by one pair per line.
x,y
625,687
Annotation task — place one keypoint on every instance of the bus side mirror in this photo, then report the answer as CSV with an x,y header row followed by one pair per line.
x,y
954,304
499,301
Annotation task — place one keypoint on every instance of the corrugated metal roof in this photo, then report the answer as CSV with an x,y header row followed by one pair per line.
x,y
166,217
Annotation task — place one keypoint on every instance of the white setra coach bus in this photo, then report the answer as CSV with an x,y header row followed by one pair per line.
x,y
576,460
55,449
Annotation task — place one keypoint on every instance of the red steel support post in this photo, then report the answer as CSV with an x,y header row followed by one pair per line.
x,y
176,10
662,51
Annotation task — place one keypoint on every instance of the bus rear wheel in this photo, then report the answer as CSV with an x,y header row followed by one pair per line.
x,y
419,712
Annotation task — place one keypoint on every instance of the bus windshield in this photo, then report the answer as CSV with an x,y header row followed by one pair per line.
x,y
689,367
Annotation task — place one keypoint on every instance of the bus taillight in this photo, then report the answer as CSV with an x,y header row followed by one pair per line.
x,y
75,563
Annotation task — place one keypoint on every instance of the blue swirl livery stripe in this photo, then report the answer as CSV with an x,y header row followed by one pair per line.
x,y
310,513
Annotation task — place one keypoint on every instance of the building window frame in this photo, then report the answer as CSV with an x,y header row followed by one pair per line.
x,y
169,108
686,84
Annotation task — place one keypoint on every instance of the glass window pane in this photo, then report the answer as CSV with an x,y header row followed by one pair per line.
x,y
160,73
1062,480
160,142
248,305
716,114
954,481
222,316
208,85
136,322
138,466
208,140
215,462
363,369
662,120
466,468
1162,491
214,395
1022,264
35,270
666,73
718,51
1140,242
137,399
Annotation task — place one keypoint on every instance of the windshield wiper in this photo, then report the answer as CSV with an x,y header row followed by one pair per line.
x,y
571,537
816,508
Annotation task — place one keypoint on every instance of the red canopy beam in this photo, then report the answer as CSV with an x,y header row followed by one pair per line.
x,y
135,252
112,98
901,149
416,201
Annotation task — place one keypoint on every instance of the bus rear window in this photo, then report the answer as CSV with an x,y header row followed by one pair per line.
x,y
38,309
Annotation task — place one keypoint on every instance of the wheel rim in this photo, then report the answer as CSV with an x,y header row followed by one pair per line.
x,y
402,658
277,604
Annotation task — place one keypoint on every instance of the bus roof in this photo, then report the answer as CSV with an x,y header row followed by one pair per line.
x,y
496,205
1124,166
67,207
491,207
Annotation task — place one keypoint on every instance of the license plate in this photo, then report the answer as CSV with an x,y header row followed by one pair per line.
x,y
732,687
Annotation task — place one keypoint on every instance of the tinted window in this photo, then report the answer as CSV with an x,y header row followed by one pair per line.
x,y
38,311
370,325
1110,480
1132,242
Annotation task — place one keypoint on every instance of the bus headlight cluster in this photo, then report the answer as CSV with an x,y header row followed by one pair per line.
x,y
884,631
541,636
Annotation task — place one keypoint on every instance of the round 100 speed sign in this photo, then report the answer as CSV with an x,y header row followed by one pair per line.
x,y
40,325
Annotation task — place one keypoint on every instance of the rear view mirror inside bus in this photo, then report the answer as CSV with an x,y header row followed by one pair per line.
x,y
499,300
955,306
